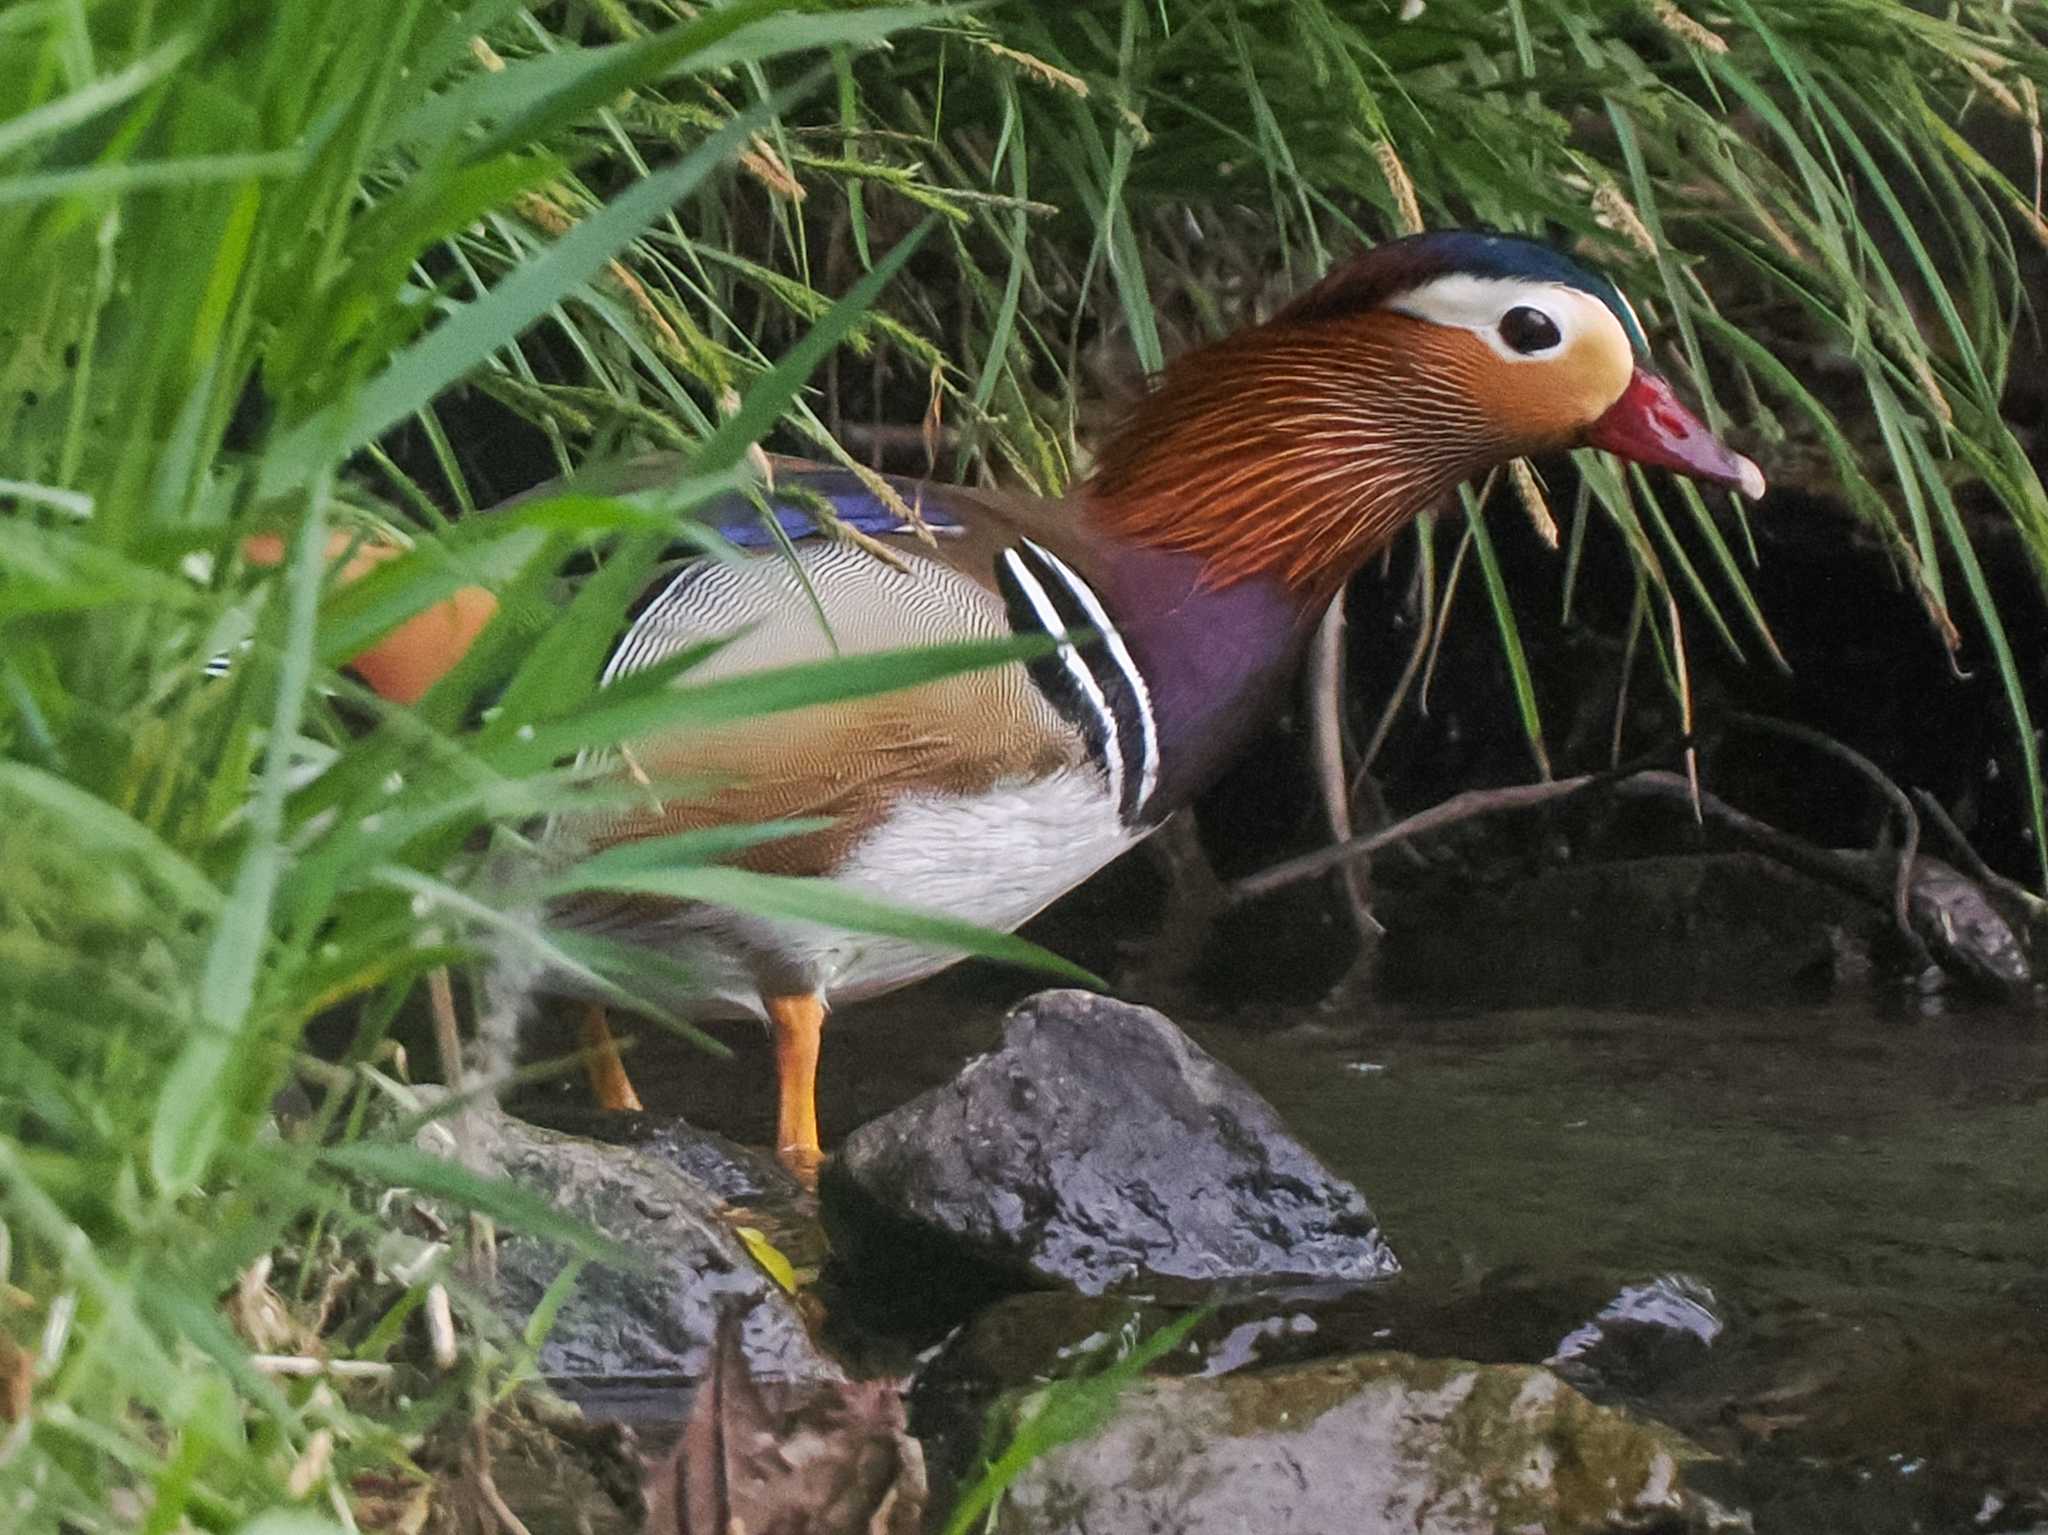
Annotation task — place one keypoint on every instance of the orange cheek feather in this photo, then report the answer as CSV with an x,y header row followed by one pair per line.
x,y
419,652
1539,406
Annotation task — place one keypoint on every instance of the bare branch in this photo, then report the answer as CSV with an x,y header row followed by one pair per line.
x,y
2035,908
1909,821
1459,807
1325,686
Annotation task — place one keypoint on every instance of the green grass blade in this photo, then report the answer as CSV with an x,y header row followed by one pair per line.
x,y
826,903
391,1164
1510,634
194,1104
649,702
469,336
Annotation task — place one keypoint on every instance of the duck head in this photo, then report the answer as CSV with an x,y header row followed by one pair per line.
x,y
1298,447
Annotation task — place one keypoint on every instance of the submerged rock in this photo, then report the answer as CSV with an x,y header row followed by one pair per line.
x,y
1373,1445
1099,1148
653,1325
1647,1335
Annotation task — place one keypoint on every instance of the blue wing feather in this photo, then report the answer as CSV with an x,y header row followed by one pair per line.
x,y
737,518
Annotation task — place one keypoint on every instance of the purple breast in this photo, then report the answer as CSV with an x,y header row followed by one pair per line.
x,y
1217,661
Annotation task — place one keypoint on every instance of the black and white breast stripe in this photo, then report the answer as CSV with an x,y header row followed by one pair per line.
x,y
1099,689
222,662
658,624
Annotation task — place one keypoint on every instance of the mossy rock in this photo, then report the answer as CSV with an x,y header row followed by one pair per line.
x,y
1370,1445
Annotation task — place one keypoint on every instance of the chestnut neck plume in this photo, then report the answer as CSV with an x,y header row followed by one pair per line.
x,y
1326,438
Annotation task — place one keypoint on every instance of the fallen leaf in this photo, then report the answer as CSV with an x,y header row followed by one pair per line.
x,y
768,1255
787,1458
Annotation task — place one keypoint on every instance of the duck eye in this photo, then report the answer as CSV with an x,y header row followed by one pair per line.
x,y
1529,331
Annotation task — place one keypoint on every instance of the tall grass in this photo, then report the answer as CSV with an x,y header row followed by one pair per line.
x,y
1786,188
238,263
1798,196
256,253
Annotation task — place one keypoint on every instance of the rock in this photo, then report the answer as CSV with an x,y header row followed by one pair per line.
x,y
1647,1335
1678,928
1101,1149
755,1190
1965,931
739,1175
1372,1445
652,1327
1024,1341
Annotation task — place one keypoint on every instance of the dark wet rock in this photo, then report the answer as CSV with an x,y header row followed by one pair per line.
x,y
1966,933
1372,1445
654,1325
739,1175
1017,1343
759,1194
1648,1335
1716,925
1101,1149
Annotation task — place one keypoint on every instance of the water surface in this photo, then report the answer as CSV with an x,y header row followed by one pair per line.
x,y
1861,1187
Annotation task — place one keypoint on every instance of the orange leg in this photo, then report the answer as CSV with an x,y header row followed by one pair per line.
x,y
797,1023
609,1083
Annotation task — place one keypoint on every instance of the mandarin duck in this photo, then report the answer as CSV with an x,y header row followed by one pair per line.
x,y
1181,580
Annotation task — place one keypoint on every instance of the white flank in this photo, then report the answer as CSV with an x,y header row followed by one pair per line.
x,y
995,859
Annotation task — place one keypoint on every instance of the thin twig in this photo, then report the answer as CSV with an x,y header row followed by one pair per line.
x,y
1443,617
892,436
1325,682
1902,885
447,1032
1459,807
1425,625
441,1327
1683,676
483,1243
2028,902
487,1488
307,1366
1636,616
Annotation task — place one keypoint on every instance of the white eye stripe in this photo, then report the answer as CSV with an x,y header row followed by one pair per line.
x,y
1472,303
1476,304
